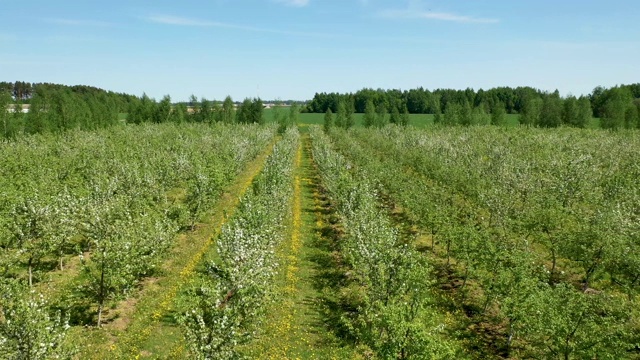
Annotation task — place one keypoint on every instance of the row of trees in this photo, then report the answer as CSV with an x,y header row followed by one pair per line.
x,y
552,111
618,107
228,304
388,282
20,90
57,108
148,110
422,101
23,92
108,196
530,216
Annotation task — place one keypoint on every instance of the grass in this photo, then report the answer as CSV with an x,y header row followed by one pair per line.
x,y
296,324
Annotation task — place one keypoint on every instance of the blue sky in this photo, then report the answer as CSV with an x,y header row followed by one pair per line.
x,y
290,49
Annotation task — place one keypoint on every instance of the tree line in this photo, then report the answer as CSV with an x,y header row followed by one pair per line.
x,y
249,111
146,109
617,107
56,108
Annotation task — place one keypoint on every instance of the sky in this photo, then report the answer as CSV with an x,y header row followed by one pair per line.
x,y
291,49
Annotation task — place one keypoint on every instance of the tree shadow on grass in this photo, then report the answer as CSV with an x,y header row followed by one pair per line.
x,y
329,273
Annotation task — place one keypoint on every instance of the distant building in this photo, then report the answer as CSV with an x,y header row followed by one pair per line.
x,y
12,108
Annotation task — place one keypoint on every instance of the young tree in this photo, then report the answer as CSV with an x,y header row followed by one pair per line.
x,y
62,225
369,118
30,230
276,113
101,115
498,114
37,119
631,117
572,325
395,115
551,111
163,110
328,120
5,117
228,116
584,114
27,330
451,114
243,114
142,111
83,114
194,106
615,108
570,111
404,117
466,116
381,115
201,191
110,268
349,120
205,115
257,112
341,118
480,116
15,121
68,110
179,114
294,114
216,112
437,110
531,112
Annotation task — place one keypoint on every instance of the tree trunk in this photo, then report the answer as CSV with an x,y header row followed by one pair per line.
x,y
100,314
553,279
101,295
510,337
464,283
61,264
30,272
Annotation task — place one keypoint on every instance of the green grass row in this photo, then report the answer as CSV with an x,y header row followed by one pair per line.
x,y
417,120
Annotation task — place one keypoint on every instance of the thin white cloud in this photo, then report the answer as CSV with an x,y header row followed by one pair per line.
x,y
296,3
199,23
430,15
77,22
183,21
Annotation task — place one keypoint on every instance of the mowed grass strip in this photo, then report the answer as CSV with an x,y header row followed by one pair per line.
x,y
296,324
277,332
147,327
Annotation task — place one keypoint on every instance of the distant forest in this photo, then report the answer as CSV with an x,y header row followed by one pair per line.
x,y
55,108
617,107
